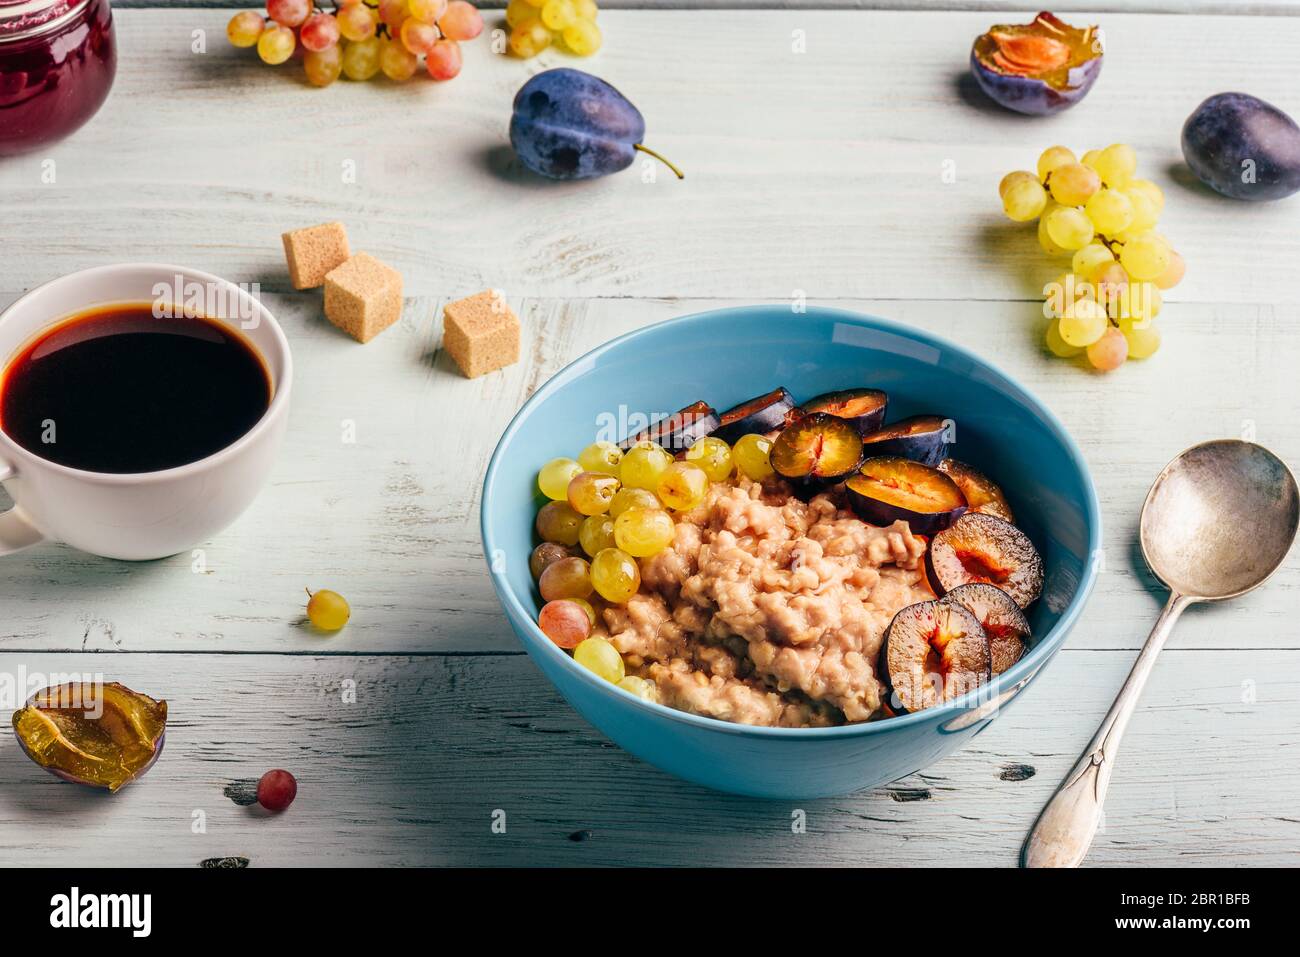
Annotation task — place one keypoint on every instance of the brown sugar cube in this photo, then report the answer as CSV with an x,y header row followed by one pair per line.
x,y
363,297
481,333
313,251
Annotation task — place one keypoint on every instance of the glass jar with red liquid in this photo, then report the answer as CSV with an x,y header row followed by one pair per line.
x,y
57,61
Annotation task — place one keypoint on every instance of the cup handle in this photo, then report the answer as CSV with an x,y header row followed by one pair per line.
x,y
16,533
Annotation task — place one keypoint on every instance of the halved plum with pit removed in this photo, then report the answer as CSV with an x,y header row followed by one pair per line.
x,y
1004,623
1039,67
865,408
921,438
982,493
761,414
983,548
817,450
679,431
934,651
889,488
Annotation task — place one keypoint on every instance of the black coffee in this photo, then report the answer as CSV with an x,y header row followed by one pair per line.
x,y
121,390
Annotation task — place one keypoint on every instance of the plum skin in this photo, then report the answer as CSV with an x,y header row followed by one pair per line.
x,y
569,125
1228,129
1031,96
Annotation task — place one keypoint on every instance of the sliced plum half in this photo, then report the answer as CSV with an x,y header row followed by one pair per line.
x,y
1004,623
983,548
761,414
982,493
817,450
889,488
679,431
1039,67
865,408
934,651
921,438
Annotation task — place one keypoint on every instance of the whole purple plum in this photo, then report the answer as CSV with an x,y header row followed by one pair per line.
x,y
1037,68
1243,147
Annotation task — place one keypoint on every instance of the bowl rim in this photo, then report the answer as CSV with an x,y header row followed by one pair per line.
x,y
536,642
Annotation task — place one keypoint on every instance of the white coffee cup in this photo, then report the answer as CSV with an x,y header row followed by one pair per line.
x,y
143,515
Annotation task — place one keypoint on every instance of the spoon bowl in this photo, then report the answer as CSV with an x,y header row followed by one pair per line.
x,y
1220,519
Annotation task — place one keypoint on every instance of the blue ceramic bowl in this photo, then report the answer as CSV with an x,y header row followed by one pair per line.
x,y
726,357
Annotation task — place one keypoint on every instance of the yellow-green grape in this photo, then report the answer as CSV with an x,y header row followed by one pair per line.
x,y
1063,291
587,9
596,534
644,465
1015,176
1024,200
567,578
397,62
645,690
1083,323
1138,303
591,493
586,606
558,14
1089,159
1110,210
643,532
361,59
1143,340
1150,190
682,486
1053,157
1145,257
558,522
529,37
615,575
1068,227
712,455
518,11
600,658
1173,273
1090,260
601,457
1073,184
1110,351
322,67
244,28
752,454
535,4
633,498
555,476
1116,164
1145,212
1044,240
357,22
328,610
582,37
1057,345
276,44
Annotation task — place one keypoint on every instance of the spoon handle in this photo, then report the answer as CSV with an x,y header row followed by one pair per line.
x,y
1066,827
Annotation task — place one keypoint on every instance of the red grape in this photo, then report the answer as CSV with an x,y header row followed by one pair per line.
x,y
462,21
290,13
443,63
564,622
320,31
277,789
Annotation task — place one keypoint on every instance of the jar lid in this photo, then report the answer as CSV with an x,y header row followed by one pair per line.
x,y
25,18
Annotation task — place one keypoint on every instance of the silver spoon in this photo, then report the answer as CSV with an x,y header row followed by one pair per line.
x,y
1217,522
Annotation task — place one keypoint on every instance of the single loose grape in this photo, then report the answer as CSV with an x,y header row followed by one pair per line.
x,y
1143,340
323,66
558,522
328,610
601,457
1024,200
1058,346
1090,260
565,622
1145,257
633,498
1073,184
276,790
1150,190
1110,210
591,493
398,63
682,486
567,578
1173,273
643,532
426,10
444,61
1083,323
558,14
547,553
600,658
555,476
582,37
596,534
244,28
361,59
1068,227
752,454
645,690
643,466
1015,176
1053,157
713,455
615,575
1110,351
1116,164
356,22
276,44
529,38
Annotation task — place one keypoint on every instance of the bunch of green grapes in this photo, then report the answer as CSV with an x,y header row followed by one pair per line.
x,y
360,39
1095,211
536,24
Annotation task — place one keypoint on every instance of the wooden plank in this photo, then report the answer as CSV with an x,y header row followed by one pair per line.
x,y
825,171
391,520
412,772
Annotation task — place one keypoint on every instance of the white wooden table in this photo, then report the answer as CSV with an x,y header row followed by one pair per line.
x,y
820,174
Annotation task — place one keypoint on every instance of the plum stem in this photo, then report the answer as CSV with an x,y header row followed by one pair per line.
x,y
646,149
